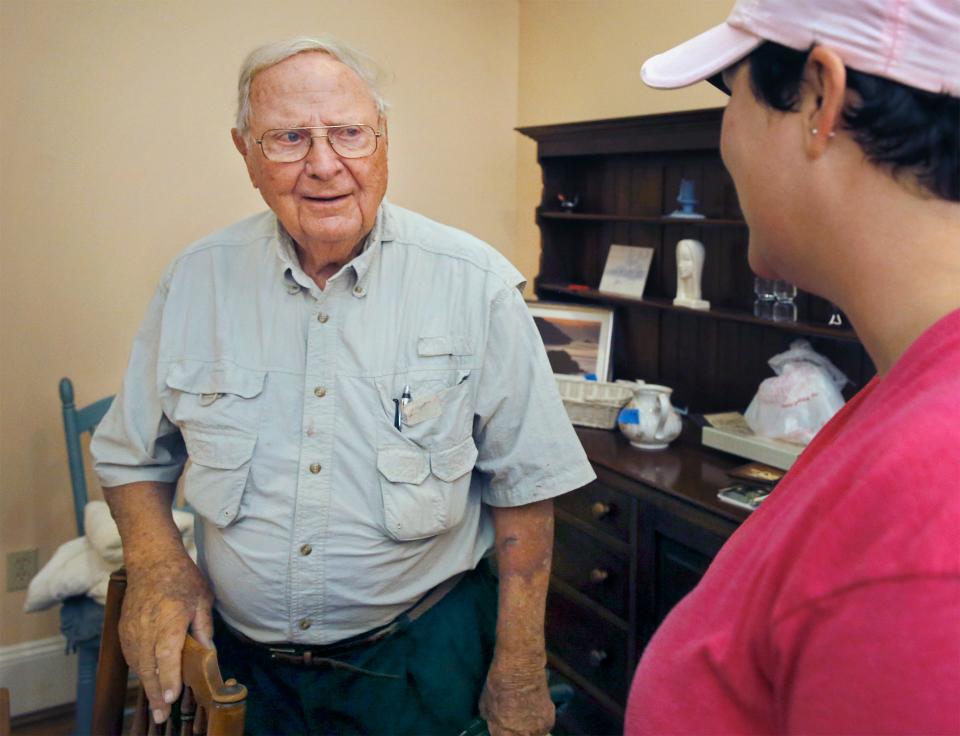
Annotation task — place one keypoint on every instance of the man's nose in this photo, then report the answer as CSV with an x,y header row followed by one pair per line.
x,y
321,160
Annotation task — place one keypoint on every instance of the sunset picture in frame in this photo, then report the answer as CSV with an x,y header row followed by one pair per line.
x,y
577,338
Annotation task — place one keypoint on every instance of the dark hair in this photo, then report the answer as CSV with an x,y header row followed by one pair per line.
x,y
897,126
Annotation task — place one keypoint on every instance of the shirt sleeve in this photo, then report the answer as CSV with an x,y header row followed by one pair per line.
x,y
527,448
135,441
882,657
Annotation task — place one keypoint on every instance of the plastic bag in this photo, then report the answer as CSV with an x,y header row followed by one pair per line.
x,y
800,399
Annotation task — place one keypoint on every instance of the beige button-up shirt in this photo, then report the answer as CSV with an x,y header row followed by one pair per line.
x,y
319,518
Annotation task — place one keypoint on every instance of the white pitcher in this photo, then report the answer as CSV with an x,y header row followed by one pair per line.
x,y
649,420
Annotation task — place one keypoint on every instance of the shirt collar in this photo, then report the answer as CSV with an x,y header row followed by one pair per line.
x,y
383,231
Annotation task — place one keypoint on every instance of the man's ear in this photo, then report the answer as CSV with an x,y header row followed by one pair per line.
x,y
822,98
239,142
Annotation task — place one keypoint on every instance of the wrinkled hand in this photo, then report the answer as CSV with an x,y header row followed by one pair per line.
x,y
516,701
162,600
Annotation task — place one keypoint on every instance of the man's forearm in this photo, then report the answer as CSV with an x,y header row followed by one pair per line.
x,y
143,515
524,543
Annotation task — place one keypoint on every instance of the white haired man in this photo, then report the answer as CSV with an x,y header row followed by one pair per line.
x,y
368,412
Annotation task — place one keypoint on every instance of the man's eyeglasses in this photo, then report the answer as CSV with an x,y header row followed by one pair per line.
x,y
286,145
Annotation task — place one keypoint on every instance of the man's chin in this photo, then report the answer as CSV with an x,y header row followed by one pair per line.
x,y
332,233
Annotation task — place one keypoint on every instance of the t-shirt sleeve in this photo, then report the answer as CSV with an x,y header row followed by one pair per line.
x,y
135,441
882,657
527,448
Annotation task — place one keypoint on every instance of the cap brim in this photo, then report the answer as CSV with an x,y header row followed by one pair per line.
x,y
702,57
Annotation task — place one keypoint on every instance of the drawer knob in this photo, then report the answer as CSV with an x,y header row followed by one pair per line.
x,y
599,509
597,657
598,575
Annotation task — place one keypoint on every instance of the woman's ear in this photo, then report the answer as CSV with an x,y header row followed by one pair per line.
x,y
822,97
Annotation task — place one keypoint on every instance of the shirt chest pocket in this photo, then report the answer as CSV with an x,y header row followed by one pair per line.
x,y
217,409
425,465
424,493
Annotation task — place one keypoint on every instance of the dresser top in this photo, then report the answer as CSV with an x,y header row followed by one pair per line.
x,y
685,470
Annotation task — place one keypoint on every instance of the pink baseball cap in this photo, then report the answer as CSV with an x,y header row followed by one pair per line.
x,y
914,42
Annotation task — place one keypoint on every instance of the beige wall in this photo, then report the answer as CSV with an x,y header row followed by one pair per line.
x,y
116,153
114,118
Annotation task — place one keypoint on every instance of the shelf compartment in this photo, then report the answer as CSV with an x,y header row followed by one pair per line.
x,y
594,295
647,219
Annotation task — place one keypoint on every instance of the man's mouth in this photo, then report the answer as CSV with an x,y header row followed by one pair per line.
x,y
325,198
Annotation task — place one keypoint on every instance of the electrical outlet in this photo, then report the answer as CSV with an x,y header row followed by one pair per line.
x,y
21,567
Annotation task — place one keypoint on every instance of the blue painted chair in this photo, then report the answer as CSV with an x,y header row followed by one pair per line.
x,y
75,423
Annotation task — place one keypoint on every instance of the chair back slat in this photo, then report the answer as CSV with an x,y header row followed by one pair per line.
x,y
75,423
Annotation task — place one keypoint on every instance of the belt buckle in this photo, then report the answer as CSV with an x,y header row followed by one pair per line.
x,y
289,655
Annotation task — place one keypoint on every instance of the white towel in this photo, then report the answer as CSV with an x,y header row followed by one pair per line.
x,y
83,565
74,569
105,537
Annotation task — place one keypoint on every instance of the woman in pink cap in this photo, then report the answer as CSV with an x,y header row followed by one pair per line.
x,y
836,607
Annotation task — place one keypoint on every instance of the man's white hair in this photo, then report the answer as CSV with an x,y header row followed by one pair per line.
x,y
271,54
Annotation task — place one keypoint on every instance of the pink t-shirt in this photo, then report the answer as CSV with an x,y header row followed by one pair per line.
x,y
836,607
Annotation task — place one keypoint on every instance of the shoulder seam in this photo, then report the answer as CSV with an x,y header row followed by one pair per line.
x,y
466,259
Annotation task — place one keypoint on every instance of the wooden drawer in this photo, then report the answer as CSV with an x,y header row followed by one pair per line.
x,y
602,507
593,647
586,564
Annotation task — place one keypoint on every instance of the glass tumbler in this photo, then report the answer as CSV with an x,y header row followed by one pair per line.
x,y
764,298
784,306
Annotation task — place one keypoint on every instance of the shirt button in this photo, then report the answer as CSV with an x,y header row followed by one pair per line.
x,y
319,392
323,317
359,290
315,468
306,549
293,289
305,624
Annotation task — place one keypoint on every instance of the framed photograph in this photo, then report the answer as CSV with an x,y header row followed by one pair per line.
x,y
626,270
577,338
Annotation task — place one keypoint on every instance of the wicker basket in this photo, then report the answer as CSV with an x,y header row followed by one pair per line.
x,y
592,403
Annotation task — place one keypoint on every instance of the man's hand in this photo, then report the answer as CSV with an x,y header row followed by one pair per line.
x,y
516,701
166,593
162,600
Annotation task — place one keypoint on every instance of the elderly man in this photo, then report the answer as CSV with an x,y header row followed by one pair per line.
x,y
368,412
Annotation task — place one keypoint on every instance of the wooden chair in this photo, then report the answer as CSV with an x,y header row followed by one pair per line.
x,y
207,704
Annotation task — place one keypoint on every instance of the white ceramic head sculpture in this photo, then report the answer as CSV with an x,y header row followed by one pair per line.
x,y
690,257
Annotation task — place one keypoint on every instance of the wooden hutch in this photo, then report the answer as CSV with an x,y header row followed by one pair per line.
x,y
634,542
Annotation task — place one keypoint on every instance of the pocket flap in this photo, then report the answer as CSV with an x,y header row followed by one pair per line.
x,y
444,345
215,378
450,464
218,449
403,465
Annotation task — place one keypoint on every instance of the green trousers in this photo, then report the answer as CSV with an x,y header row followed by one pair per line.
x,y
423,679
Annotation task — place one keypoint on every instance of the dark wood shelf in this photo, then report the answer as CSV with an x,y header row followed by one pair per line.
x,y
652,520
806,328
648,219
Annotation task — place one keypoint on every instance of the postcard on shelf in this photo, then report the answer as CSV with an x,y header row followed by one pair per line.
x,y
626,270
731,433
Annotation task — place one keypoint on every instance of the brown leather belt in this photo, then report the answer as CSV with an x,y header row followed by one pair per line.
x,y
321,655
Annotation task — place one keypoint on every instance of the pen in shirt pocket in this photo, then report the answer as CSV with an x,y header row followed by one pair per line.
x,y
404,399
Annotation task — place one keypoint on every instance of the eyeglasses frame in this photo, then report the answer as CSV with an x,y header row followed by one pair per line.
x,y
377,133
